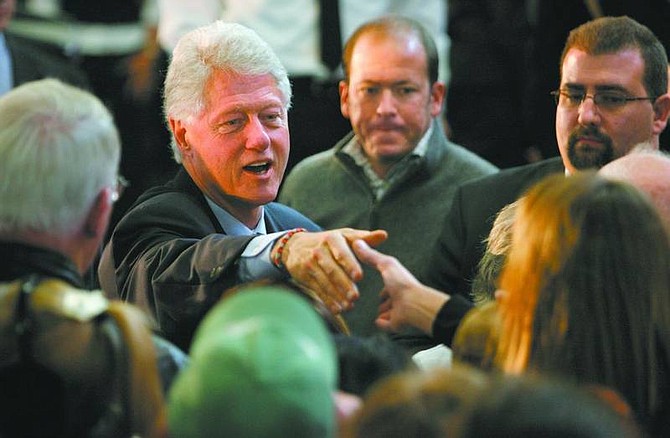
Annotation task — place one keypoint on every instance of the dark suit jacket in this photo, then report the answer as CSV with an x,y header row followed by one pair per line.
x,y
32,61
170,256
459,248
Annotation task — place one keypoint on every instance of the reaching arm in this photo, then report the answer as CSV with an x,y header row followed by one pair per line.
x,y
406,302
325,263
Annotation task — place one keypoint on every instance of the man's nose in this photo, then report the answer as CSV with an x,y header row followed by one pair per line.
x,y
588,111
257,135
387,103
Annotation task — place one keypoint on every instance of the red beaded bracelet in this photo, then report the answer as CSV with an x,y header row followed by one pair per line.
x,y
281,244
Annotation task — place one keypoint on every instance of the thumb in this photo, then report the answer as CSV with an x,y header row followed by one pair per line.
x,y
365,253
374,238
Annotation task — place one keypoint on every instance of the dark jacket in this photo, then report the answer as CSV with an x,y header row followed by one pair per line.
x,y
460,246
32,61
170,256
20,261
456,254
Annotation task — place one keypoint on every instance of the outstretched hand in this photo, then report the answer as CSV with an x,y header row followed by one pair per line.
x,y
405,301
324,262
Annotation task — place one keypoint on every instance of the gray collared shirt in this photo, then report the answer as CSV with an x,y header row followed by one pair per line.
x,y
379,185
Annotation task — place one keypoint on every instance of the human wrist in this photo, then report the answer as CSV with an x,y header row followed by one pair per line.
x,y
277,253
427,304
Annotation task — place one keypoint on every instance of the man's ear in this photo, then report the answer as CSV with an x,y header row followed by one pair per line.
x,y
661,113
179,132
437,93
344,98
97,219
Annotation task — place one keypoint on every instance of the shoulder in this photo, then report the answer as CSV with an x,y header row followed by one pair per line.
x,y
515,178
463,157
175,206
179,194
312,165
57,298
310,177
454,157
483,197
320,161
165,205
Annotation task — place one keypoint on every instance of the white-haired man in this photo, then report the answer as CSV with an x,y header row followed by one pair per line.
x,y
215,225
72,362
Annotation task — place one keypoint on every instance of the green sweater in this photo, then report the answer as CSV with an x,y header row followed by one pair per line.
x,y
333,191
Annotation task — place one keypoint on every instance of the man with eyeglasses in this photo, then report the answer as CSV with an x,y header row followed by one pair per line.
x,y
613,95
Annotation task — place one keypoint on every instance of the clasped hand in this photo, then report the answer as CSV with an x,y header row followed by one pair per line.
x,y
324,262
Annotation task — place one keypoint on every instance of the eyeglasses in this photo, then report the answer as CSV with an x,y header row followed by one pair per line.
x,y
121,185
606,100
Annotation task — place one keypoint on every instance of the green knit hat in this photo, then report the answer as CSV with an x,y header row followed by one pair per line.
x,y
262,365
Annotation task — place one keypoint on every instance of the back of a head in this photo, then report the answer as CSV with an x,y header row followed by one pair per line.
x,y
476,338
416,403
585,284
649,171
58,148
535,408
221,46
608,35
365,360
498,242
262,364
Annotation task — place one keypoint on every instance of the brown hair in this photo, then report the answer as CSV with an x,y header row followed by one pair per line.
x,y
612,34
586,286
397,26
418,403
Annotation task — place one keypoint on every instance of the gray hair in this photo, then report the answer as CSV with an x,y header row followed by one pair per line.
x,y
58,148
217,46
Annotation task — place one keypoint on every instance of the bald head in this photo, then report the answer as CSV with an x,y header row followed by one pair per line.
x,y
649,171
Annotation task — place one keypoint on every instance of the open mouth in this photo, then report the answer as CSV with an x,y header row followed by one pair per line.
x,y
258,168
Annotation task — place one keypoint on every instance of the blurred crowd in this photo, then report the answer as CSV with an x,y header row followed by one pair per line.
x,y
335,218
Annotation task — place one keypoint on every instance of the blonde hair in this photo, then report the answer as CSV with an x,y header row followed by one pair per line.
x,y
586,287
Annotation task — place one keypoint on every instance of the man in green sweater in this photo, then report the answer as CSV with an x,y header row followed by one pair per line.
x,y
396,171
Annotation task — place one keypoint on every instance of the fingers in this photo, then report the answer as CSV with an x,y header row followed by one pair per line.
x,y
343,256
330,275
325,263
385,318
383,321
335,305
373,238
366,254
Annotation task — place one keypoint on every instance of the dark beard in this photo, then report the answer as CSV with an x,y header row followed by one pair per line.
x,y
586,157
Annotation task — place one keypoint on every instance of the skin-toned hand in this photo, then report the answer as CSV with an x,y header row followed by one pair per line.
x,y
406,302
325,263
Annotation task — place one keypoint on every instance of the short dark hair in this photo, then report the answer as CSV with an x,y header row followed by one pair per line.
x,y
612,34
